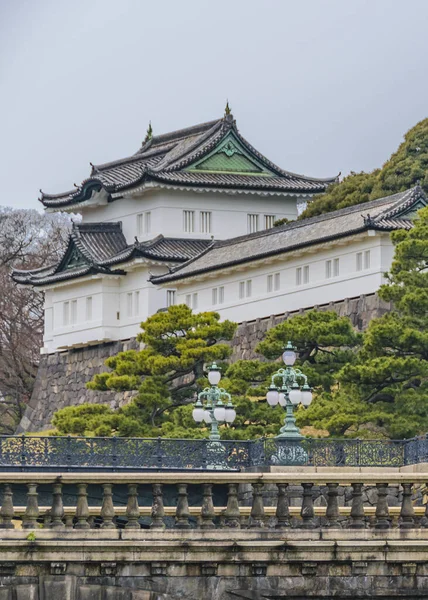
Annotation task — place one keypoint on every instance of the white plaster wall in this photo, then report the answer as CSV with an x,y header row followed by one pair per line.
x,y
110,319
228,219
320,290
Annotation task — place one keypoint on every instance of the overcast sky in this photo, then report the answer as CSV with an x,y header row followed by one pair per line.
x,y
319,86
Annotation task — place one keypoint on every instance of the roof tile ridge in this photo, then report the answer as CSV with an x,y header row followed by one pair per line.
x,y
275,167
215,133
187,262
414,194
185,131
100,225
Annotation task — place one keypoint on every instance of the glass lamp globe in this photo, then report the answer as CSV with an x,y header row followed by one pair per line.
x,y
272,397
207,416
230,414
282,399
220,411
214,374
295,394
306,395
289,355
198,412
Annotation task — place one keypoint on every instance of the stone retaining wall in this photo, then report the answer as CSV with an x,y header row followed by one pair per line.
x,y
62,376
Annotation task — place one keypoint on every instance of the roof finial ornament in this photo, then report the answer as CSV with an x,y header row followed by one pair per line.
x,y
227,110
149,133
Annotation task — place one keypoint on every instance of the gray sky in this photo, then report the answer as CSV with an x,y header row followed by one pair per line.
x,y
319,86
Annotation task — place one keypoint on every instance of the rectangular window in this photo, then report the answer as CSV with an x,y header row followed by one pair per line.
x,y
189,221
269,283
129,303
367,259
269,221
221,295
73,314
336,267
89,308
359,262
144,223
277,281
299,276
170,297
189,300
252,223
137,303
205,222
249,287
214,296
194,301
242,289
140,224
327,269
66,313
306,274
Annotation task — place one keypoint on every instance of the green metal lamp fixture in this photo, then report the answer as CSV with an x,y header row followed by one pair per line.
x,y
289,394
214,405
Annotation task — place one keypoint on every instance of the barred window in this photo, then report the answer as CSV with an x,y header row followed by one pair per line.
x,y
170,297
252,223
269,221
89,308
336,267
205,222
189,221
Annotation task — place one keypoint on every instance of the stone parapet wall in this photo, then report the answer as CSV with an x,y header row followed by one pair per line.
x,y
62,376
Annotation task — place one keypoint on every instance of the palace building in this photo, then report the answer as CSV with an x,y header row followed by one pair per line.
x,y
189,219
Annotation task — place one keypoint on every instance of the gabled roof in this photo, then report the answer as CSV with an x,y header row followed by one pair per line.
x,y
392,212
208,156
101,248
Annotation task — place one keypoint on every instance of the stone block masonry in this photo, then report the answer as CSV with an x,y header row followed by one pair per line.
x,y
62,377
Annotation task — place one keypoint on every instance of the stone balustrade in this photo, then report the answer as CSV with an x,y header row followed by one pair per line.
x,y
217,500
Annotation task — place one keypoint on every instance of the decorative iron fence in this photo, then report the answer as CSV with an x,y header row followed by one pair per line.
x,y
28,453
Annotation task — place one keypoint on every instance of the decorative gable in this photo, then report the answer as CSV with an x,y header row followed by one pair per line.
x,y
73,258
230,157
411,212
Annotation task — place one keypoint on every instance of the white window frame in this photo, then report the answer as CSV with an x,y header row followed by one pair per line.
x,y
252,222
241,290
73,312
171,296
136,303
214,294
188,300
269,284
306,274
336,267
129,304
299,277
269,221
328,270
367,259
205,218
277,282
89,307
188,221
221,294
359,261
195,300
66,313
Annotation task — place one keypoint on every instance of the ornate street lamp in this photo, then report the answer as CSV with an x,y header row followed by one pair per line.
x,y
214,404
289,394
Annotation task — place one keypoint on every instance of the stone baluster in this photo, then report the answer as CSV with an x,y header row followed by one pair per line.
x,y
82,508
257,515
107,509
69,520
307,511
382,510
132,508
7,511
158,511
357,508
182,512
29,519
332,512
57,509
207,508
232,514
282,507
407,513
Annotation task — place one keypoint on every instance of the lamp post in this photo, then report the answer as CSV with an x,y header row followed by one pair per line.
x,y
289,394
214,405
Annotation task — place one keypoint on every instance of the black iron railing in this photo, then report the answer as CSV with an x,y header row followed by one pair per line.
x,y
114,453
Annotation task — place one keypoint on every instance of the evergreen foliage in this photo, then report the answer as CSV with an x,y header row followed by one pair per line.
x,y
406,167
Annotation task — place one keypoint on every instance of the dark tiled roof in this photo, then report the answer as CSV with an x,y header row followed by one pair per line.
x,y
102,247
162,160
385,213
